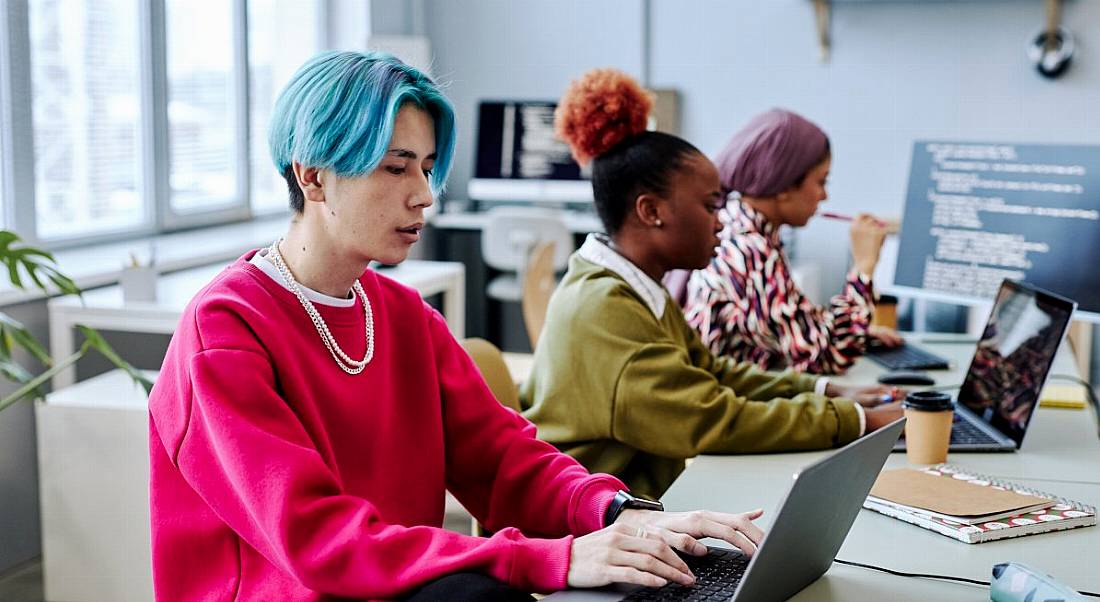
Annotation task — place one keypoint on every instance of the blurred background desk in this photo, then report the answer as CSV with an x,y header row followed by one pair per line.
x,y
104,308
457,236
1061,455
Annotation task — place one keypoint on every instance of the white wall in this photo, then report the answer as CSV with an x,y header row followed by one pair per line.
x,y
523,49
899,71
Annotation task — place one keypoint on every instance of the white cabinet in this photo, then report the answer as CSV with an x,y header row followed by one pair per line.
x,y
93,463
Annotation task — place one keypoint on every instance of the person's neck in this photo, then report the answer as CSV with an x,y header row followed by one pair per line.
x,y
765,206
640,254
318,264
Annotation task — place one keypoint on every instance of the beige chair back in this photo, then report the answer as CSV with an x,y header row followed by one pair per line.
x,y
493,369
538,285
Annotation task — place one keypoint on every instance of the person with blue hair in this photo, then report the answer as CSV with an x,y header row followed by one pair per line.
x,y
311,413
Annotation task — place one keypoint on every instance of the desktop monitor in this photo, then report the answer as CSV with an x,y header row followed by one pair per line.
x,y
976,214
518,157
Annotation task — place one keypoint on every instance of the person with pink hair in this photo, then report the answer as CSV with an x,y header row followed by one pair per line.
x,y
745,304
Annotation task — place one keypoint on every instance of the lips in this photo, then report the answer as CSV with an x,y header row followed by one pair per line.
x,y
411,232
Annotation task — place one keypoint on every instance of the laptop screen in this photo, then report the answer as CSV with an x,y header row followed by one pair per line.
x,y
1014,356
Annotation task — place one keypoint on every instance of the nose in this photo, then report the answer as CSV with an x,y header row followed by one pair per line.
x,y
421,196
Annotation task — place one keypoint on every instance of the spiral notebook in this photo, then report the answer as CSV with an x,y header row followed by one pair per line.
x,y
971,507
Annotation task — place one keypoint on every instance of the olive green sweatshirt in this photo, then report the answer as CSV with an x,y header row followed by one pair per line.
x,y
632,395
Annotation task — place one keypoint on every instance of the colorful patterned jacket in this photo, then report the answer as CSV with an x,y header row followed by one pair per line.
x,y
746,305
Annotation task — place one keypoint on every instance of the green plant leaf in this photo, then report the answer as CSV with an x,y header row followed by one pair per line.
x,y
63,283
93,340
31,387
15,333
33,262
40,266
13,371
13,273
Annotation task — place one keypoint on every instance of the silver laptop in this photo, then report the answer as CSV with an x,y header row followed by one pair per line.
x,y
810,525
1010,366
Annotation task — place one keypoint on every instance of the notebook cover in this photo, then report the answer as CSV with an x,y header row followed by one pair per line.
x,y
1064,514
951,494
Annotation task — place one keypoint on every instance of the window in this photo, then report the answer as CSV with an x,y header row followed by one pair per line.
x,y
143,116
282,34
202,104
85,74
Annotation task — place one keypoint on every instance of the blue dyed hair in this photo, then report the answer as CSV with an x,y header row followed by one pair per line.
x,y
338,111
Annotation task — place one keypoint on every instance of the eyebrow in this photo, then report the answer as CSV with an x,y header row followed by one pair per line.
x,y
405,153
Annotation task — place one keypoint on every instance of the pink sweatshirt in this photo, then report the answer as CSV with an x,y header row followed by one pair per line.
x,y
275,475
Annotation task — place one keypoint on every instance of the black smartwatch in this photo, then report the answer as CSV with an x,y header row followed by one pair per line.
x,y
624,500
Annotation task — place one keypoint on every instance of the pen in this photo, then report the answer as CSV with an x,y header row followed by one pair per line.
x,y
846,218
893,395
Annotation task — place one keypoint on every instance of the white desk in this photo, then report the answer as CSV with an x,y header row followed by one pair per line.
x,y
579,222
1061,454
104,308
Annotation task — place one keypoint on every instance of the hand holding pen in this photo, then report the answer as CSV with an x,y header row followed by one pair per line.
x,y
867,234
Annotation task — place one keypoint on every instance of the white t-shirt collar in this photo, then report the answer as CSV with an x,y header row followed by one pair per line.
x,y
259,259
596,250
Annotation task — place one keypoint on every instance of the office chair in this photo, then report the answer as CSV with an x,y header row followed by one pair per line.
x,y
538,284
490,362
510,236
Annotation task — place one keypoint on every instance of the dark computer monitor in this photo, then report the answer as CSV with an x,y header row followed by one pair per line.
x,y
976,214
518,157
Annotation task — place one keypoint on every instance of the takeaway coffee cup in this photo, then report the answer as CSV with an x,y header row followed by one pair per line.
x,y
928,416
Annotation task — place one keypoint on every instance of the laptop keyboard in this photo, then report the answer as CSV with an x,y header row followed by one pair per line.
x,y
962,431
716,577
906,357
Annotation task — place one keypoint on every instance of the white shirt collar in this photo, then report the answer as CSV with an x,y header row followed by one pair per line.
x,y
596,250
260,260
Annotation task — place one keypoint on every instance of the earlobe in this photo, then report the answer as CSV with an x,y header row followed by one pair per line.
x,y
309,181
647,209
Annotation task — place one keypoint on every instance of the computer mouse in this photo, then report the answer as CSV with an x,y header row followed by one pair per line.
x,y
902,377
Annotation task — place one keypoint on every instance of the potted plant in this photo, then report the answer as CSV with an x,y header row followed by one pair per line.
x,y
29,266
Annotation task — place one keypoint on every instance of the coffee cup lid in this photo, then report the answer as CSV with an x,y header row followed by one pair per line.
x,y
928,401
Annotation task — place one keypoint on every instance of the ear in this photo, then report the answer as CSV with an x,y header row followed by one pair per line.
x,y
309,180
649,208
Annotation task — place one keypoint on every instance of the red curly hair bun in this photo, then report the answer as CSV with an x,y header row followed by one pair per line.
x,y
600,110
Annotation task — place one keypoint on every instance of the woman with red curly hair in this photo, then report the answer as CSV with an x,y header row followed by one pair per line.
x,y
620,381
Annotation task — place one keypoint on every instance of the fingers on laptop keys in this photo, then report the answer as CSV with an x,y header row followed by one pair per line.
x,y
626,554
650,550
736,529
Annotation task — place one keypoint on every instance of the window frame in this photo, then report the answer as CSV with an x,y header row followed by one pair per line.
x,y
17,154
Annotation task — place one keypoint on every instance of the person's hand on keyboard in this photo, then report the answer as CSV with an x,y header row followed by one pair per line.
x,y
867,396
881,336
636,548
883,415
623,553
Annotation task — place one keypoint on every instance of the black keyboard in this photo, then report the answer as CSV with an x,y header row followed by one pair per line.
x,y
716,577
963,431
906,357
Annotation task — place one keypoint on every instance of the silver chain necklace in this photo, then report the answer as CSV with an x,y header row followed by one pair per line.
x,y
348,364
